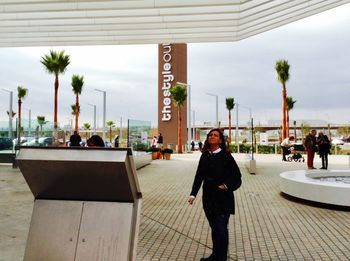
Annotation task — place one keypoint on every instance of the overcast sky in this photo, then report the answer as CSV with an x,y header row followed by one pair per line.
x,y
317,49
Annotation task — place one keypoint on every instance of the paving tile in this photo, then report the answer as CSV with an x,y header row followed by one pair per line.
x,y
267,226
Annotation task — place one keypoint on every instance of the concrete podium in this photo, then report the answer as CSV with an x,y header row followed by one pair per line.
x,y
87,203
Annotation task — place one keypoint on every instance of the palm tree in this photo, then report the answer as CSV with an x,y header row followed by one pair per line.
x,y
111,125
282,69
289,106
86,126
230,104
77,84
179,95
41,122
56,63
75,109
21,93
13,114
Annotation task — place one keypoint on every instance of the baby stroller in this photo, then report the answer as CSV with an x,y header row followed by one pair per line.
x,y
295,153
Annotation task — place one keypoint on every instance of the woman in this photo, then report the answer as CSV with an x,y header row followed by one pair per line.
x,y
323,148
220,175
95,141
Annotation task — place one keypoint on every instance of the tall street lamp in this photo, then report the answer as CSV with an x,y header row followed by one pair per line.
x,y
104,113
193,125
217,108
29,121
10,112
188,114
237,131
94,128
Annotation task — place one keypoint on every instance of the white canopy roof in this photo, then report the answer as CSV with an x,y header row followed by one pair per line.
x,y
101,22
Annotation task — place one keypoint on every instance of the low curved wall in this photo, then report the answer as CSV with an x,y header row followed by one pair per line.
x,y
308,185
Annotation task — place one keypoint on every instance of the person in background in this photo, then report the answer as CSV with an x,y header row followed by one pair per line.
x,y
285,145
95,141
75,140
200,145
116,141
323,148
221,176
154,142
160,140
310,147
192,145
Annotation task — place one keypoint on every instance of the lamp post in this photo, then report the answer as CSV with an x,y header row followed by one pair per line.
x,y
94,128
250,119
217,108
10,112
29,121
104,114
188,114
193,126
237,128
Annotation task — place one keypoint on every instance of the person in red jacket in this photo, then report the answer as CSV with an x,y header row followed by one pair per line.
x,y
311,148
220,175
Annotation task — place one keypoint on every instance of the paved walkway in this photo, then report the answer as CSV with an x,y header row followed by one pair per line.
x,y
266,226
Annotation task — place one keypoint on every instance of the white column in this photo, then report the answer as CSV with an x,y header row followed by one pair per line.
x,y
104,114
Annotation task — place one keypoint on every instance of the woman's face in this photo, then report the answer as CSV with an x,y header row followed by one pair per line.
x,y
214,138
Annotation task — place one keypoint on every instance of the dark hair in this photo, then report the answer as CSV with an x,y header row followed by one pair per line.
x,y
222,145
95,140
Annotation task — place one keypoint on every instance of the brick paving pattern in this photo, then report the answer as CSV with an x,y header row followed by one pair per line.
x,y
267,226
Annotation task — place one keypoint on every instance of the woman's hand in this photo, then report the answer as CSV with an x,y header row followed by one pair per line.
x,y
222,186
191,199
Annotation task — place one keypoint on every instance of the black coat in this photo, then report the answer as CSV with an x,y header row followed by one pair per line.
x,y
323,144
214,170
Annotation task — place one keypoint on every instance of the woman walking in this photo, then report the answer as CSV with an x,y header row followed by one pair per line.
x,y
220,175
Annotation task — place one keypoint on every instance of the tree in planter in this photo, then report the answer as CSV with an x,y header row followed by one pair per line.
x,y
13,114
166,153
56,63
179,95
86,127
41,122
111,125
77,85
282,69
230,104
21,93
289,106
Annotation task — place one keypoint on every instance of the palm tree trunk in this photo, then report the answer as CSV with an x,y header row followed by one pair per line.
x,y
284,111
110,134
229,127
287,123
19,122
76,111
55,103
179,131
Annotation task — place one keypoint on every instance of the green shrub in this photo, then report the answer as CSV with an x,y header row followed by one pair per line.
x,y
167,150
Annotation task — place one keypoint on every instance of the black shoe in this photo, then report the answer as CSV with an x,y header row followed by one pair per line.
x,y
322,168
209,258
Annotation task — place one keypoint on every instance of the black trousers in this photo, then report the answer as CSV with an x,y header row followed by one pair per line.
x,y
285,151
219,235
324,158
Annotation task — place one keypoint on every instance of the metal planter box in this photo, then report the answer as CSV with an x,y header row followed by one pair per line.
x,y
87,203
